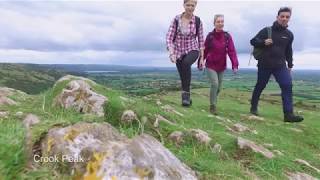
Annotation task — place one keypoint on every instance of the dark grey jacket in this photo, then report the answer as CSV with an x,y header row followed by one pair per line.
x,y
275,55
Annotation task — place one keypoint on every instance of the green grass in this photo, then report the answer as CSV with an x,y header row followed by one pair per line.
x,y
231,163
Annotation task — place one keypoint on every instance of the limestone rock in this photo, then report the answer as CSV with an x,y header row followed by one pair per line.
x,y
158,102
217,148
71,77
6,101
247,144
128,117
296,130
278,152
255,118
159,119
79,96
240,128
19,114
4,114
177,137
106,154
201,136
299,176
169,108
30,120
5,91
303,162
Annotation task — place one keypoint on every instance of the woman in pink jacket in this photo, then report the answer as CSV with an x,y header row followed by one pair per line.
x,y
218,44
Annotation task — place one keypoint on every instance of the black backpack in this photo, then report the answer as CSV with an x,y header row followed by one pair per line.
x,y
258,51
177,24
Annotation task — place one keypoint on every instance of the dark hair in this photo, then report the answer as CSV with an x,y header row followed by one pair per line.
x,y
284,9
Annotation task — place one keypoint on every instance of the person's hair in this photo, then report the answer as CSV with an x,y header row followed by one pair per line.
x,y
284,9
185,1
217,16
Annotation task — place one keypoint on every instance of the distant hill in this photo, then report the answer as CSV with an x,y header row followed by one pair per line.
x,y
29,78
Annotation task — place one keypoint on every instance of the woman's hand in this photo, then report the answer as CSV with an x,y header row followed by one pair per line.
x,y
201,63
173,58
235,71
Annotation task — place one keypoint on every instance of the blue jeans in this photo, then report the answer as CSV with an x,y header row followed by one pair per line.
x,y
283,77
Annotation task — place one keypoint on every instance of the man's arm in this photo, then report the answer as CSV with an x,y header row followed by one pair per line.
x,y
289,52
259,39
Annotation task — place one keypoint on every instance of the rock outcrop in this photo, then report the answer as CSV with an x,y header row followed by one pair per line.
x,y
100,151
79,95
247,144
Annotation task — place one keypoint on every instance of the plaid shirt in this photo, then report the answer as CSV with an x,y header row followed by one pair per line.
x,y
184,43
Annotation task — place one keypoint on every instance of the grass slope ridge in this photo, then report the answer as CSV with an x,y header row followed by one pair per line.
x,y
230,163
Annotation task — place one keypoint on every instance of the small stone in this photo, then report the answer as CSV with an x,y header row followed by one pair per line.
x,y
177,137
278,152
128,116
4,114
217,148
256,118
303,162
6,101
31,120
160,118
168,108
244,143
299,176
19,114
240,128
296,130
201,136
268,145
158,102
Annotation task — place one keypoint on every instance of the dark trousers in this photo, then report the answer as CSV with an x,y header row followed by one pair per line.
x,y
283,77
184,68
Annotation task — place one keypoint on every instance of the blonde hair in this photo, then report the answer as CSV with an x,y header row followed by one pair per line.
x,y
185,1
217,16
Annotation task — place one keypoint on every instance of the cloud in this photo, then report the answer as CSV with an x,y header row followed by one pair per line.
x,y
132,32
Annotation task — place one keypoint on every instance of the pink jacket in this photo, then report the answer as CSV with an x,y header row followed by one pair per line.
x,y
215,51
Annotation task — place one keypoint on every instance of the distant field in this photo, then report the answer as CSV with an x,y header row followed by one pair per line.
x,y
143,81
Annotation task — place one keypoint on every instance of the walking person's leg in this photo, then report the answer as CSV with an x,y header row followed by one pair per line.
x,y
215,79
283,77
186,64
220,78
214,88
262,81
180,71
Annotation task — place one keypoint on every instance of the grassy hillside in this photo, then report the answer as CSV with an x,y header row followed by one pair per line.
x,y
293,140
30,78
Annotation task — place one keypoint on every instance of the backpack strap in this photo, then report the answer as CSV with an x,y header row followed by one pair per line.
x,y
176,29
226,37
269,29
197,25
198,21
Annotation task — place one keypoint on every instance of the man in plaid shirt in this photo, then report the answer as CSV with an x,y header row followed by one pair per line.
x,y
185,44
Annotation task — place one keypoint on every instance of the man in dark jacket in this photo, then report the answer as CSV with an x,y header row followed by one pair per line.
x,y
276,60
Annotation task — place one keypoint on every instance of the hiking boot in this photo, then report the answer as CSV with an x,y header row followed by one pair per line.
x,y
254,111
185,96
213,109
290,117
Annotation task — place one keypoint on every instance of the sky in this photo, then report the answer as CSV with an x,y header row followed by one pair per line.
x,y
133,32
